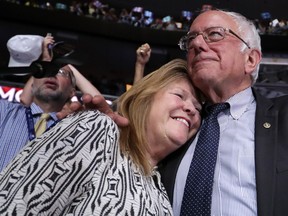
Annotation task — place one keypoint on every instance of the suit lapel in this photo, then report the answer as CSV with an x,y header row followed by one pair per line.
x,y
169,166
265,154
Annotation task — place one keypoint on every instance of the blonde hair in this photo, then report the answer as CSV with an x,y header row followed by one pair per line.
x,y
135,105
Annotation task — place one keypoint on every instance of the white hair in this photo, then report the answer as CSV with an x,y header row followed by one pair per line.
x,y
249,33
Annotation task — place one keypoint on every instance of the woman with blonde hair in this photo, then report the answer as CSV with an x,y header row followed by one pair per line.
x,y
86,165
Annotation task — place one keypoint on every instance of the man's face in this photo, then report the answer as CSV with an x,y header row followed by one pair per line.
x,y
56,88
220,64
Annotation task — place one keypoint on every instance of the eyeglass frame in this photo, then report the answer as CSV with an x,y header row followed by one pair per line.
x,y
67,74
206,39
64,73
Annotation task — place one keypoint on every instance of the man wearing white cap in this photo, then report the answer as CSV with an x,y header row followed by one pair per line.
x,y
49,96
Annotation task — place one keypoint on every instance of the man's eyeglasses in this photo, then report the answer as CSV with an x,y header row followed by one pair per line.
x,y
212,34
68,74
63,73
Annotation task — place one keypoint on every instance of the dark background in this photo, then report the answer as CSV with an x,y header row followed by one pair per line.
x,y
105,52
250,8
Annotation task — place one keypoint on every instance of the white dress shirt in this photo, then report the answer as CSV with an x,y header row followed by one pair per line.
x,y
234,187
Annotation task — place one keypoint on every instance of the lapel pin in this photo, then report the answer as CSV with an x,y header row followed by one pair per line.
x,y
266,125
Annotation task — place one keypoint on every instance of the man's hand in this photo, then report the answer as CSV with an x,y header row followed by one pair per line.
x,y
97,102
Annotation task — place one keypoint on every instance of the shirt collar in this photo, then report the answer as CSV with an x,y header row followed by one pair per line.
x,y
36,110
240,102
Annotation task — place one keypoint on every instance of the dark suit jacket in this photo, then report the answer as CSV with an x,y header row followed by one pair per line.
x,y
271,157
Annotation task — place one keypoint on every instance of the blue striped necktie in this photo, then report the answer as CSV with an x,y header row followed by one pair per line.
x,y
199,184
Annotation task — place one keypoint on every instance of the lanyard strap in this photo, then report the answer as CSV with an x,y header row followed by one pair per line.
x,y
30,124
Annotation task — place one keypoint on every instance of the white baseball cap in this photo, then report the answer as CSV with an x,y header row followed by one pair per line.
x,y
24,49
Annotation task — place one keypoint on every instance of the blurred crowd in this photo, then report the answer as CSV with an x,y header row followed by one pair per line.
x,y
140,17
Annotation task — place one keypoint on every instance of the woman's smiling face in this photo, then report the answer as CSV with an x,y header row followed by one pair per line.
x,y
173,119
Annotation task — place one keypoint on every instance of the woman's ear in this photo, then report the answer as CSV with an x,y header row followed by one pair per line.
x,y
253,59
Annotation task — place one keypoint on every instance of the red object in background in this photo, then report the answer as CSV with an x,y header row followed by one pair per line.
x,y
10,93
